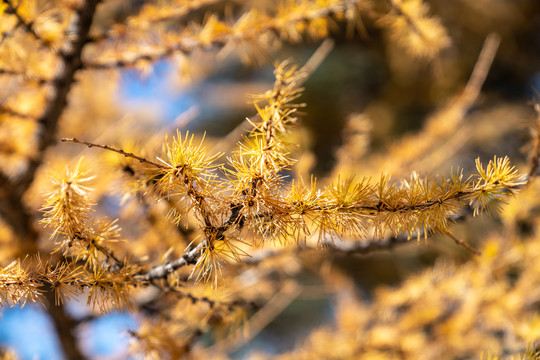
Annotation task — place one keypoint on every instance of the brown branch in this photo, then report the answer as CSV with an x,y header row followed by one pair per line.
x,y
355,248
462,243
64,325
12,208
71,59
162,271
308,69
102,249
431,151
480,71
8,111
279,302
119,151
17,216
212,303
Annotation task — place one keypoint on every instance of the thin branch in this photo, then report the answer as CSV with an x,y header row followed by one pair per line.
x,y
431,146
119,151
308,69
64,325
288,293
534,156
34,79
102,249
462,243
162,271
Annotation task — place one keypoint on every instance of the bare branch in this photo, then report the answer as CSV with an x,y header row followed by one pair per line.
x,y
534,156
6,110
119,151
481,70
212,303
464,244
12,209
71,59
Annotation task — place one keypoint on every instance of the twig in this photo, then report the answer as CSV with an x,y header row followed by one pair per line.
x,y
535,152
119,151
481,70
464,244
161,271
109,254
261,319
213,303
317,58
432,145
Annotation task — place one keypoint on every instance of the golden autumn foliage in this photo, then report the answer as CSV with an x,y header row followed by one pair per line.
x,y
209,239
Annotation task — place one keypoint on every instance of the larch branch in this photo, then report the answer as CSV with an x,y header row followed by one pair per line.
x,y
162,271
189,45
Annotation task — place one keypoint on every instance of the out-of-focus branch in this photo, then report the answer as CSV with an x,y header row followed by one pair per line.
x,y
27,25
261,319
64,326
7,110
436,141
354,248
71,59
164,12
534,156
33,79
481,70
119,151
